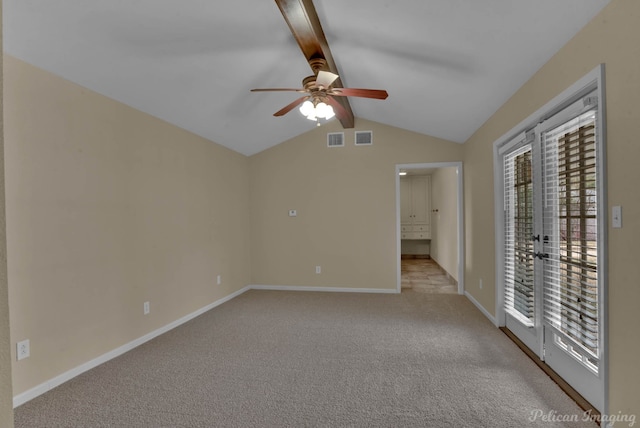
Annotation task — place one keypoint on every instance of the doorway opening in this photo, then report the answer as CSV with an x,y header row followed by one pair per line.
x,y
430,224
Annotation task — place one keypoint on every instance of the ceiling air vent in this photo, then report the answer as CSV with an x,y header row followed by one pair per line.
x,y
364,138
335,139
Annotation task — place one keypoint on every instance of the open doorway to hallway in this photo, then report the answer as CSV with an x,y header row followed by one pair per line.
x,y
430,234
424,275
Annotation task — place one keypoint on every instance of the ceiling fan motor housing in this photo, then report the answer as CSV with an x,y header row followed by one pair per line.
x,y
318,64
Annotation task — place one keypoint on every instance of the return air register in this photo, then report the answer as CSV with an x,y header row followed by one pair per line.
x,y
361,138
335,139
364,138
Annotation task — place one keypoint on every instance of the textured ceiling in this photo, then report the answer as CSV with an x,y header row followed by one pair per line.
x,y
448,65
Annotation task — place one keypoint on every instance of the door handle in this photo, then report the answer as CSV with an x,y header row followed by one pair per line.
x,y
541,256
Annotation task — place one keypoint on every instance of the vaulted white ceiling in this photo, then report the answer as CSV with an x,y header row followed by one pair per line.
x,y
448,65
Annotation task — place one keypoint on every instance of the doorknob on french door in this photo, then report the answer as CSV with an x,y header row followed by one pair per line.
x,y
541,256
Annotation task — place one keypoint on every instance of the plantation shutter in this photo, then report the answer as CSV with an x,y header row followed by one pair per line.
x,y
571,228
519,260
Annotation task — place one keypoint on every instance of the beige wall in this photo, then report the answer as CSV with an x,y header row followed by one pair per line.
x,y
346,202
610,38
444,223
6,394
416,247
108,208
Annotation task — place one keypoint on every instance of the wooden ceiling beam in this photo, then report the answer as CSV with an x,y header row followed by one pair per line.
x,y
305,26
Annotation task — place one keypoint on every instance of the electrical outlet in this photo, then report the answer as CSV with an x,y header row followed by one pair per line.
x,y
219,279
23,350
480,284
147,308
318,269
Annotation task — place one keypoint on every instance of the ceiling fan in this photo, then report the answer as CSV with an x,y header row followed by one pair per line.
x,y
319,101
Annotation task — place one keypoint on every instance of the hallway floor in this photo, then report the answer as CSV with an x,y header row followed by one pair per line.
x,y
425,276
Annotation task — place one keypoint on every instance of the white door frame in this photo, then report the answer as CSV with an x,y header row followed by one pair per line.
x,y
460,216
586,84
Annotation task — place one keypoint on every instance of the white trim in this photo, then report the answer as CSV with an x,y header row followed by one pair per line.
x,y
604,229
594,80
70,374
324,289
460,217
499,219
398,234
481,309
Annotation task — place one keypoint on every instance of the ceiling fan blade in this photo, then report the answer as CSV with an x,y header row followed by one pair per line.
x,y
278,89
378,94
325,78
291,106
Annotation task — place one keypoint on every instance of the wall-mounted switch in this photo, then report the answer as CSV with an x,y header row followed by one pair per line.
x,y
293,213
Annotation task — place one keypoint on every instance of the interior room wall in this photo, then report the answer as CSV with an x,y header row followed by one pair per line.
x,y
107,208
416,247
6,393
607,39
345,199
444,222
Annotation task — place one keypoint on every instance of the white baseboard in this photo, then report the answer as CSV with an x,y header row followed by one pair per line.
x,y
68,375
324,289
482,309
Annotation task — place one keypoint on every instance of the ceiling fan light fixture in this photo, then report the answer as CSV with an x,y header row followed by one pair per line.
x,y
307,108
318,111
323,110
331,113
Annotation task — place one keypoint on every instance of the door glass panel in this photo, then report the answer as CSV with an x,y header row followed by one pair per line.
x,y
519,260
571,231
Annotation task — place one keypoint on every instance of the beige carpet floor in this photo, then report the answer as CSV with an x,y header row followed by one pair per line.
x,y
308,359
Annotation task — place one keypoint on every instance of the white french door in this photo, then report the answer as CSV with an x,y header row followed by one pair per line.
x,y
522,282
573,249
553,238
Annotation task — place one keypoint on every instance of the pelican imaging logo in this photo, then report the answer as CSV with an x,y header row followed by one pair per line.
x,y
619,419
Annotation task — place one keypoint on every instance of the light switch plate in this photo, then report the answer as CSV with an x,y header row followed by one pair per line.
x,y
293,213
616,217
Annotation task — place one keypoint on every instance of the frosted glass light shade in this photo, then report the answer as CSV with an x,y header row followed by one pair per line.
x,y
319,111
307,108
